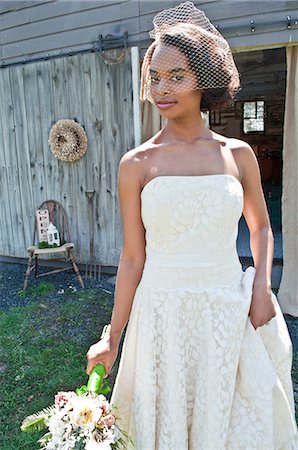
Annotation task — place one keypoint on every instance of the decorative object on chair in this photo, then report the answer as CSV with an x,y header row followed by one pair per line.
x,y
68,140
43,222
57,221
53,235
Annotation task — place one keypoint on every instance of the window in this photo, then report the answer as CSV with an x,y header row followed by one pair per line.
x,y
253,117
206,118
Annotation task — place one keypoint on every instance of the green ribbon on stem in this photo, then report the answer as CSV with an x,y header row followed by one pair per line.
x,y
95,382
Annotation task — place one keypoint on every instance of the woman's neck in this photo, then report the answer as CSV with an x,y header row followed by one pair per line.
x,y
187,130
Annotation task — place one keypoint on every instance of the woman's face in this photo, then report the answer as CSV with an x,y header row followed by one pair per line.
x,y
173,85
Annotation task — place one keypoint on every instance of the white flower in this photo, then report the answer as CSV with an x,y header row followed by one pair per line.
x,y
93,445
57,428
114,433
86,413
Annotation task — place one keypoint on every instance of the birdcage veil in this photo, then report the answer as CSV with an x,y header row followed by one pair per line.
x,y
207,53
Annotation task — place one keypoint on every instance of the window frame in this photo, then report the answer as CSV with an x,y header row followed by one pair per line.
x,y
255,101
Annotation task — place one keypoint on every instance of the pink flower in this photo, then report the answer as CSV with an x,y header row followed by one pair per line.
x,y
62,398
109,420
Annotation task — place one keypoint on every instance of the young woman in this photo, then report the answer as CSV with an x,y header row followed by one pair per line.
x,y
206,360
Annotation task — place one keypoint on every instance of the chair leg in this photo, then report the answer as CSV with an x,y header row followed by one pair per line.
x,y
76,269
30,258
36,266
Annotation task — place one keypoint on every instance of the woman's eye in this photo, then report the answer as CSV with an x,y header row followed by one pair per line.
x,y
177,77
154,79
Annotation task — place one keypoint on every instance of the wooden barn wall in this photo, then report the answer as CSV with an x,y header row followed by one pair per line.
x,y
33,97
35,28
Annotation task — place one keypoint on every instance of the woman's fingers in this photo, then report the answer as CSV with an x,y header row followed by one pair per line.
x,y
258,321
101,353
89,367
92,363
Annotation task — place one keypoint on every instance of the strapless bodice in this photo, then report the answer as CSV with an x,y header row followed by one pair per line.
x,y
193,219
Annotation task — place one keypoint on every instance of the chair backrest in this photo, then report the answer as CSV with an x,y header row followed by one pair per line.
x,y
57,217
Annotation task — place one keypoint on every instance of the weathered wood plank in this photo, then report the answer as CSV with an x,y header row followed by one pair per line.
x,y
76,16
36,170
6,226
264,41
228,10
46,108
220,9
93,120
107,83
68,39
8,163
15,235
15,5
224,17
74,171
48,9
22,155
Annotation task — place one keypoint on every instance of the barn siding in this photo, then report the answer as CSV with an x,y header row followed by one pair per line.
x,y
34,97
34,28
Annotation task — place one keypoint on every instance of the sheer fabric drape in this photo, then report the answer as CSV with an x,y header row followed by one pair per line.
x,y
288,290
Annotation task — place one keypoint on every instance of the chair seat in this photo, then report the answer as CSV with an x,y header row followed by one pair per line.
x,y
43,251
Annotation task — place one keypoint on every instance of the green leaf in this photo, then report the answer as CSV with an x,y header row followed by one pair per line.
x,y
37,422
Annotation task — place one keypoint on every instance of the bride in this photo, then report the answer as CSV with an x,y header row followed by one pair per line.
x,y
206,360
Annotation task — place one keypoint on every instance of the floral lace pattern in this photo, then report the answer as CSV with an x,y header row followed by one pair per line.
x,y
194,374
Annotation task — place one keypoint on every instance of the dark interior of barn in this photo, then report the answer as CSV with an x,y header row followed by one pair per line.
x,y
257,117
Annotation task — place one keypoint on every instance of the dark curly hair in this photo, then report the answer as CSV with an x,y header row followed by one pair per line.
x,y
199,57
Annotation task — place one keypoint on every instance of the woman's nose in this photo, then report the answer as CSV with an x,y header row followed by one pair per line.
x,y
163,87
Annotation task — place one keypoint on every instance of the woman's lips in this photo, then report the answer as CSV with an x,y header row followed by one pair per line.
x,y
165,105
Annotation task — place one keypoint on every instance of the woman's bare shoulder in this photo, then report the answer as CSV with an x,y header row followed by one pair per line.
x,y
138,154
243,154
238,144
232,143
245,159
135,162
242,151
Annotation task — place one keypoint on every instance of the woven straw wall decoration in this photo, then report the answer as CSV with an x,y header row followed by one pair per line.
x,y
68,140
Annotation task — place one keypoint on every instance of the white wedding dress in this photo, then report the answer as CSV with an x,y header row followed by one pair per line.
x,y
194,374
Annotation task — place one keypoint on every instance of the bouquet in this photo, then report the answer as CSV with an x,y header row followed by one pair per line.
x,y
79,420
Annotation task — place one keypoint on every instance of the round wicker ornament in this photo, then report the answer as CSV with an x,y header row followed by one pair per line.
x,y
68,140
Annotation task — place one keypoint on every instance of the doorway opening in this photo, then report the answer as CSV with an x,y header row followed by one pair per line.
x,y
257,117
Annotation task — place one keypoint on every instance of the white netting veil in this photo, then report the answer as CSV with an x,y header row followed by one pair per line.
x,y
187,53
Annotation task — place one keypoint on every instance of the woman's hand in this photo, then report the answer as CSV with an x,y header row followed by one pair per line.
x,y
261,308
101,352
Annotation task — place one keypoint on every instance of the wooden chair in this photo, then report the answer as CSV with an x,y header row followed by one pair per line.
x,y
58,217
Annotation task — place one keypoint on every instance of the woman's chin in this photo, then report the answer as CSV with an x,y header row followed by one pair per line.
x,y
174,115
171,112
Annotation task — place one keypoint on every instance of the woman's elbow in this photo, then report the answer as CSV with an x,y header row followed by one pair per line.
x,y
264,229
132,260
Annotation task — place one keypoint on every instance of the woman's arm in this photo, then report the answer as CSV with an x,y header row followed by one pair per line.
x,y
261,236
133,250
131,261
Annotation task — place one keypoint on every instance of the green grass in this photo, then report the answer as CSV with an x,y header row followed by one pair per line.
x,y
43,350
41,290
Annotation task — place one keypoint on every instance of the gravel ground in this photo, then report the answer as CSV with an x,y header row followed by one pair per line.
x,y
12,279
